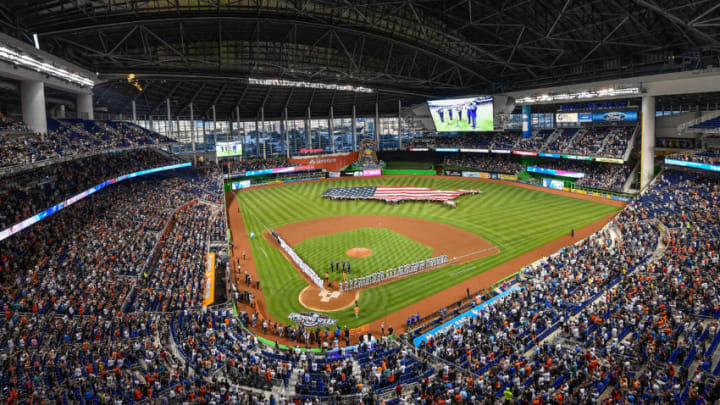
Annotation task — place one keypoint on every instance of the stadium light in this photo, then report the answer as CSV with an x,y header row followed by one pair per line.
x,y
309,85
26,61
587,94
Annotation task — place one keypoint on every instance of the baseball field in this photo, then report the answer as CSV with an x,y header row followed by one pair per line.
x,y
485,231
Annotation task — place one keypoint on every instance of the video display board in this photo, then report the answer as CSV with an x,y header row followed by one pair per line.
x,y
462,114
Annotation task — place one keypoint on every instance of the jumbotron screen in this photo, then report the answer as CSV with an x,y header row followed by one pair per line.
x,y
225,149
462,114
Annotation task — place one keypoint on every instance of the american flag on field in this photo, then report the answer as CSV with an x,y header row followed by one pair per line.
x,y
396,193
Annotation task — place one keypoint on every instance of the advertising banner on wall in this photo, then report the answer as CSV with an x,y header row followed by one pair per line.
x,y
333,162
552,183
615,116
209,285
507,176
477,175
237,185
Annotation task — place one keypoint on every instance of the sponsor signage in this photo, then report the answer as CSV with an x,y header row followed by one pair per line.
x,y
304,150
311,319
553,172
585,117
447,150
478,175
566,117
371,172
609,160
501,151
237,185
550,155
334,174
209,289
615,116
523,153
475,150
419,149
552,183
576,157
507,176
695,165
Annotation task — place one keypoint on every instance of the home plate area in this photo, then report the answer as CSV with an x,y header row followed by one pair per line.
x,y
326,296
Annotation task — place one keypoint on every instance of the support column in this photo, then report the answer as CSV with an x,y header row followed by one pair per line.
x,y
168,128
242,135
308,131
354,129
32,94
376,126
331,129
85,106
287,133
204,136
647,145
134,112
399,124
215,133
262,126
61,111
192,133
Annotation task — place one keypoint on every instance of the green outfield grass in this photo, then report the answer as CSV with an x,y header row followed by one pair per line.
x,y
514,219
389,249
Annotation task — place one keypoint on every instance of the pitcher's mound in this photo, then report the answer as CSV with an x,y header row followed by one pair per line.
x,y
359,252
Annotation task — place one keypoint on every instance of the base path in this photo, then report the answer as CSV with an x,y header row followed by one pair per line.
x,y
459,245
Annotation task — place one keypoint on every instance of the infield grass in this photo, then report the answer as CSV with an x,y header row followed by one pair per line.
x,y
389,249
514,219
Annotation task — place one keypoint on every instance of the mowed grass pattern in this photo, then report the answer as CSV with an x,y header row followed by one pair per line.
x,y
514,219
389,249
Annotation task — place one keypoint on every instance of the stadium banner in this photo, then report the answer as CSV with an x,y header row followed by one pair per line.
x,y
524,153
494,176
463,318
512,177
615,116
684,163
552,183
304,150
333,162
566,117
72,200
553,172
609,160
526,121
585,117
577,157
474,150
477,175
237,185
549,155
227,149
334,174
209,290
447,150
452,173
369,173
501,151
419,149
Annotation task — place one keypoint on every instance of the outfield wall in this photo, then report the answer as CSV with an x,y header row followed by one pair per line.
x,y
413,172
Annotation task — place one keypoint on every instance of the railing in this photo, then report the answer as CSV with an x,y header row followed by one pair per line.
x,y
708,115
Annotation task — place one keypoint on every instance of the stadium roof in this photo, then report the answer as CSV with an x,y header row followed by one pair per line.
x,y
205,50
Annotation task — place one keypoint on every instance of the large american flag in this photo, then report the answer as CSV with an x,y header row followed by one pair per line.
x,y
395,193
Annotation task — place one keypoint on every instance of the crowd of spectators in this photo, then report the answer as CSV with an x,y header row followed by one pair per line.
x,y
507,164
600,141
600,319
30,191
20,146
238,165
603,176
709,157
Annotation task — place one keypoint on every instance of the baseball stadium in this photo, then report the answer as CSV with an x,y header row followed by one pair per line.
x,y
359,202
